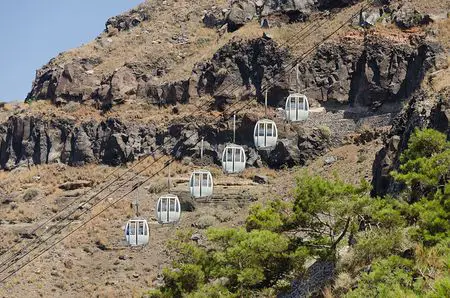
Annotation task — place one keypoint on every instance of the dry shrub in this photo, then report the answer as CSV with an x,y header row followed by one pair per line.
x,y
343,283
205,222
30,194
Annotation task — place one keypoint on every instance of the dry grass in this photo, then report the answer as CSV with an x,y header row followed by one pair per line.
x,y
430,6
137,112
152,41
49,177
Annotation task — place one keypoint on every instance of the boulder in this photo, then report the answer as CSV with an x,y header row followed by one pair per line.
x,y
69,82
407,17
72,185
261,179
240,13
128,20
286,152
117,151
123,85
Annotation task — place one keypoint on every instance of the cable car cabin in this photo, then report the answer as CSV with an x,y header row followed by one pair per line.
x,y
137,232
233,159
201,184
297,107
168,209
265,134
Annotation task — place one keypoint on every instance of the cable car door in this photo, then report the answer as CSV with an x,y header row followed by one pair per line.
x,y
303,109
196,185
261,135
229,160
293,109
141,234
172,211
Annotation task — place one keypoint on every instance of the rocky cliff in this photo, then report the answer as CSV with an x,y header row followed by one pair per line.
x,y
424,110
359,73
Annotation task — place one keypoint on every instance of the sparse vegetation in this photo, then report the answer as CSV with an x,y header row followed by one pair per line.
x,y
325,131
380,246
30,194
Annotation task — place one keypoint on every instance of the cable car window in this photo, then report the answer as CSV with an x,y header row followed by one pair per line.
x,y
230,154
177,209
298,104
261,129
242,155
269,129
301,103
237,156
145,229
164,205
196,180
172,204
209,181
292,103
159,206
132,227
204,179
141,228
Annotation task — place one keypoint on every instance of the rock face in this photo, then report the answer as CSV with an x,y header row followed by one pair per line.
x,y
31,140
423,111
369,74
129,19
242,65
243,11
360,71
71,82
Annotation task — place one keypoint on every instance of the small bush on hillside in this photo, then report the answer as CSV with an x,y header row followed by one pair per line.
x,y
30,194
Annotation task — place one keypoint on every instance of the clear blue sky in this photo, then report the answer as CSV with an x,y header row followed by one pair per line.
x,y
34,31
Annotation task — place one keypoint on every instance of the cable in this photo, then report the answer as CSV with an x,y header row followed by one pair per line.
x,y
56,233
86,202
297,60
308,51
99,192
112,182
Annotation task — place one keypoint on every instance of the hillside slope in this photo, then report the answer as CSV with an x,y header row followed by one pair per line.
x,y
169,73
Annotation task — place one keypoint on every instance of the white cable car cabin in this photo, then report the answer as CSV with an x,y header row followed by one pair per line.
x,y
233,159
168,209
201,184
297,107
265,134
137,232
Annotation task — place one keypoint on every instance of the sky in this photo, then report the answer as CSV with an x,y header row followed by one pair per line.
x,y
34,31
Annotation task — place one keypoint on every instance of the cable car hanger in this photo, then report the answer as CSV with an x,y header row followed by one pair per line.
x,y
297,105
201,182
137,232
233,156
168,207
265,134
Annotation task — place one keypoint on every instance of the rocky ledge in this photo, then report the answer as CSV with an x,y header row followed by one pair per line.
x,y
34,140
358,70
